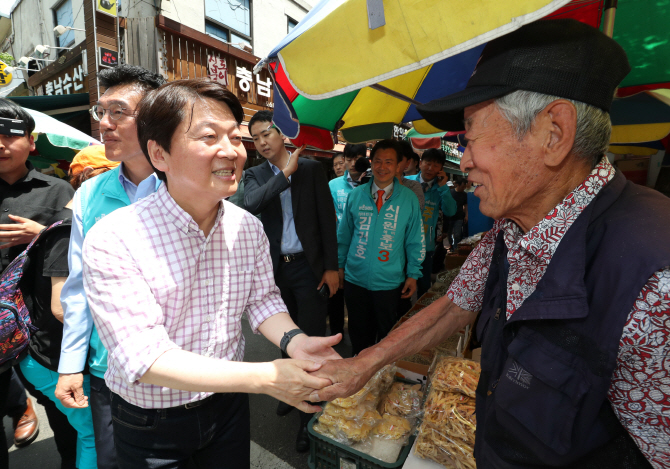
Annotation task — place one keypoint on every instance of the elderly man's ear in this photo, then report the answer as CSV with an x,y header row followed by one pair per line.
x,y
157,155
558,122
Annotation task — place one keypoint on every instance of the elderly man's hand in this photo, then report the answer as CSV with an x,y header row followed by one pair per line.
x,y
316,349
348,376
290,381
21,232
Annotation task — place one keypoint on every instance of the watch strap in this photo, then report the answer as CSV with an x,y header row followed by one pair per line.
x,y
286,339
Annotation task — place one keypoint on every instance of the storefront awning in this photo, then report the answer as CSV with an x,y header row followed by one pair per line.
x,y
60,107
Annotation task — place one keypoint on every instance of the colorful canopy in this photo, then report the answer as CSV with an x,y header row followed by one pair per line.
x,y
334,73
56,141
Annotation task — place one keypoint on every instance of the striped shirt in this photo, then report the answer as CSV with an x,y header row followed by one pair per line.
x,y
155,283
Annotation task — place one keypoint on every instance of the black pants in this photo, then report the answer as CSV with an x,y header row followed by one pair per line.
x,y
336,312
215,434
307,308
372,314
16,397
101,411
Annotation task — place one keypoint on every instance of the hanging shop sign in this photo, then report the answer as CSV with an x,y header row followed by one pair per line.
x,y
69,81
108,7
108,58
5,78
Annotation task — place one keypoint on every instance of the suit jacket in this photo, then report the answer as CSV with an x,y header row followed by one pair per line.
x,y
313,211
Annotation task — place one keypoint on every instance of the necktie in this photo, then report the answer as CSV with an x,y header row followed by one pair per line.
x,y
424,186
380,200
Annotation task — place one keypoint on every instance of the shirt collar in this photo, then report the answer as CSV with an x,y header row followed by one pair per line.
x,y
387,191
181,219
422,181
31,175
275,169
543,239
351,181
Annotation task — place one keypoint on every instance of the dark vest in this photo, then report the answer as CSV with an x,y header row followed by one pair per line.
x,y
542,396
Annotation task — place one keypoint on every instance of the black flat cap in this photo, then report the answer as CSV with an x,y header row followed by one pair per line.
x,y
563,58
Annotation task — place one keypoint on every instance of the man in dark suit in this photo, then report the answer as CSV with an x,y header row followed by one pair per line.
x,y
292,197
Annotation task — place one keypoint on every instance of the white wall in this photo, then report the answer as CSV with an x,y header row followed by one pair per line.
x,y
190,13
268,23
34,23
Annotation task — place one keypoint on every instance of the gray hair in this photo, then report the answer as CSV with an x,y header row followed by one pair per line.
x,y
594,128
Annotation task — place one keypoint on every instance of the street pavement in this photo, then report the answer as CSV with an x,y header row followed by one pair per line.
x,y
272,437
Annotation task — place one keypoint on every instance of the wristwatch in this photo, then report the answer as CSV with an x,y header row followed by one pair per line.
x,y
283,344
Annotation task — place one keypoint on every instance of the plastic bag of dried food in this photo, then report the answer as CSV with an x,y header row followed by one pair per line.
x,y
372,389
402,400
438,446
350,413
346,431
452,413
456,375
392,427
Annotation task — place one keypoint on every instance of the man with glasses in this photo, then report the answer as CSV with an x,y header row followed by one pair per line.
x,y
129,182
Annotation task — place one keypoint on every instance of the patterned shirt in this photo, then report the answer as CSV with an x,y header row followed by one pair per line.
x,y
640,388
155,283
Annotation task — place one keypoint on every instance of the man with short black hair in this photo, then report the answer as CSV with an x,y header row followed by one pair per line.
x,y
380,248
169,279
438,198
412,164
29,201
129,182
291,195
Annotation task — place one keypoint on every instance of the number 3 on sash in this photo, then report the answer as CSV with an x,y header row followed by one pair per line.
x,y
385,256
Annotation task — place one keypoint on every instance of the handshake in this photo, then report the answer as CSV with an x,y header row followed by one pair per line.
x,y
316,373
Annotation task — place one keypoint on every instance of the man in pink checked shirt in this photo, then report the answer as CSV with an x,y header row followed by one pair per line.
x,y
168,280
572,281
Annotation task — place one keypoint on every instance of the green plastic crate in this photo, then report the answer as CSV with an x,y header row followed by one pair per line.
x,y
325,453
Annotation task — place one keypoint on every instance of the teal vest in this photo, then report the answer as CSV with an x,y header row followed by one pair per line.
x,y
100,196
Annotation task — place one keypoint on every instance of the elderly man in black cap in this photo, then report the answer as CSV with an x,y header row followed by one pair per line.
x,y
572,282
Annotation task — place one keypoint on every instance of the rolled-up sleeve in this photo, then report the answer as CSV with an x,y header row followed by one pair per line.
x,y
264,298
128,319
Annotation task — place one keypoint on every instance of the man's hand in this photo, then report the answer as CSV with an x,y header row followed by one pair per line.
x,y
292,164
332,278
442,178
409,288
70,391
21,232
347,375
316,349
290,381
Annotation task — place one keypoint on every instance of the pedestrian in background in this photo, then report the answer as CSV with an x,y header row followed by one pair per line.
x,y
42,283
380,248
338,165
457,222
412,164
291,195
433,180
29,201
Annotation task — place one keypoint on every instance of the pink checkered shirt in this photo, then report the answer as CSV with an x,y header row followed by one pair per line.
x,y
155,283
